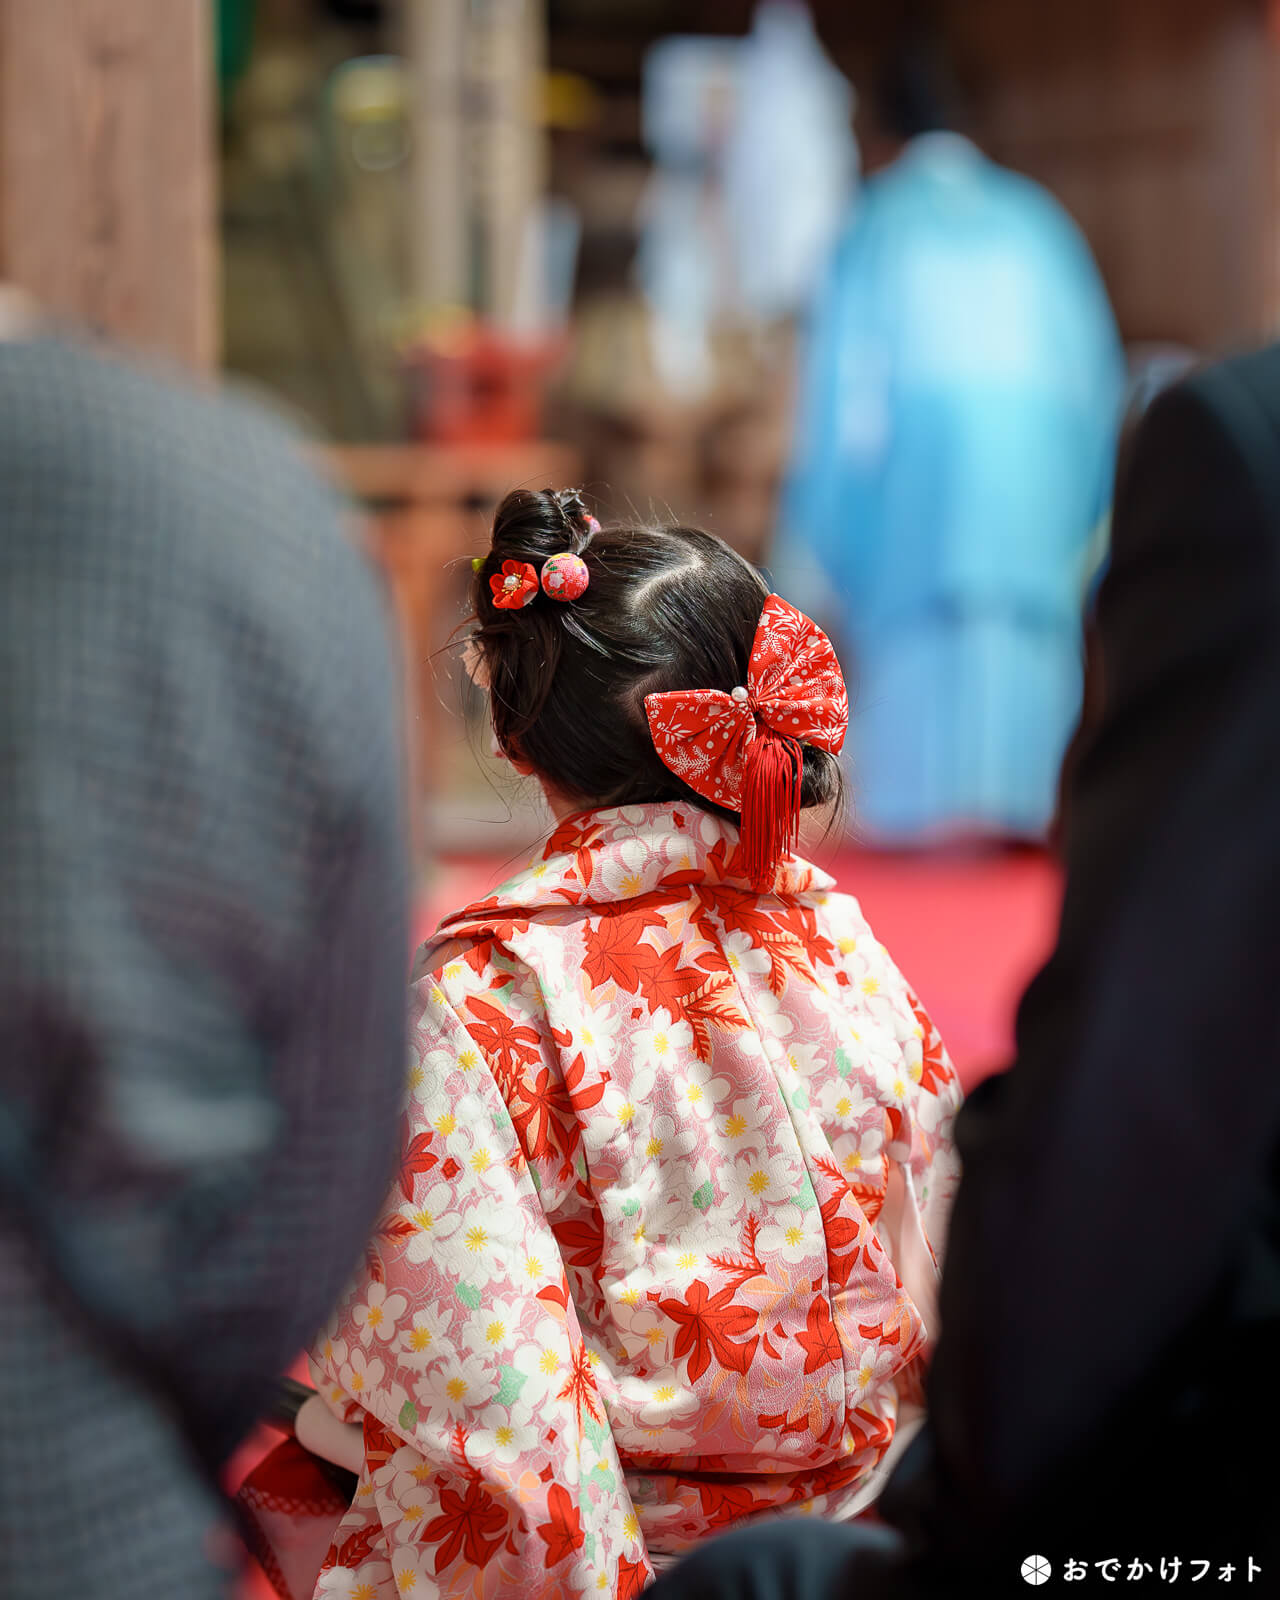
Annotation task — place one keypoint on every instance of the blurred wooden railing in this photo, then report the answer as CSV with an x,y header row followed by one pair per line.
x,y
428,509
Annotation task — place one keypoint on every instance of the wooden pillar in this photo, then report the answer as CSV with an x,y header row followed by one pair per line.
x,y
508,55
1271,138
1245,209
439,227
107,167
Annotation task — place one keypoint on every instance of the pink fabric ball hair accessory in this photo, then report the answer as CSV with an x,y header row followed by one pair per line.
x,y
565,576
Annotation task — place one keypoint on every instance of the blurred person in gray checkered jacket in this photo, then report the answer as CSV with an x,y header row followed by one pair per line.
x,y
203,946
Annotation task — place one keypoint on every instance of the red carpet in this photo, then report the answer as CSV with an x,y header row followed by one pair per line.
x,y
968,931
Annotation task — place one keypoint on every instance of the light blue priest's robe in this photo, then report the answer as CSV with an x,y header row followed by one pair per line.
x,y
959,404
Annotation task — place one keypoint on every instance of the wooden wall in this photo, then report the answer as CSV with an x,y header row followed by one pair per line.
x,y
1154,122
107,167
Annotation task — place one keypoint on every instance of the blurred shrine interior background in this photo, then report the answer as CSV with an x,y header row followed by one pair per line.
x,y
471,244
474,243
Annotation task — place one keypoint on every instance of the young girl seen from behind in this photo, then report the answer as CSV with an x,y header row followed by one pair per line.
x,y
677,1156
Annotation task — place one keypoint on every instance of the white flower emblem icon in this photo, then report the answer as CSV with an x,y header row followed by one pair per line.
x,y
1036,1570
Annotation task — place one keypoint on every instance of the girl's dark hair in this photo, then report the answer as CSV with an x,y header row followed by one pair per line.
x,y
666,608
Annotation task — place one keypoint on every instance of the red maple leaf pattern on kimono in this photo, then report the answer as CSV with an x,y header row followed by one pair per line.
x,y
562,1532
471,1525
648,1267
708,1324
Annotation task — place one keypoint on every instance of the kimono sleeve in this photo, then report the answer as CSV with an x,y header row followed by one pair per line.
x,y
923,1171
490,1468
921,1094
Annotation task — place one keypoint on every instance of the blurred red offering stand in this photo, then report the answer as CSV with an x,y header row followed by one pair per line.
x,y
477,386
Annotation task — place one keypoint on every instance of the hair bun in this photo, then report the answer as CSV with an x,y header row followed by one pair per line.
x,y
572,506
533,524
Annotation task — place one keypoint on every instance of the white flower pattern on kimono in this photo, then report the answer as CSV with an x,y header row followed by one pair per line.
x,y
463,1382
493,1328
433,1222
348,1583
662,1043
359,1375
378,1314
668,1140
622,873
422,1339
666,1403
503,1442
650,1116
703,1093
600,1031
791,1235
746,960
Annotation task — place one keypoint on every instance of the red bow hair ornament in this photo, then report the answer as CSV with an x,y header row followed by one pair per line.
x,y
743,750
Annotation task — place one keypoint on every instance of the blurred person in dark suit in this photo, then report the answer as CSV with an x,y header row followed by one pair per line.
x,y
1104,1385
202,954
1153,369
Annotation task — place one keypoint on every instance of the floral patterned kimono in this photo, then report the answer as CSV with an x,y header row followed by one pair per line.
x,y
662,1251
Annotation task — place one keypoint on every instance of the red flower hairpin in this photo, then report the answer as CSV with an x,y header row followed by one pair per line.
x,y
515,586
743,750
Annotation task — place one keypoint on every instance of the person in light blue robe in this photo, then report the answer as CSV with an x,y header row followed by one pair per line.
x,y
951,474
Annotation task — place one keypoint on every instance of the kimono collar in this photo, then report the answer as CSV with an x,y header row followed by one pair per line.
x,y
941,150
606,857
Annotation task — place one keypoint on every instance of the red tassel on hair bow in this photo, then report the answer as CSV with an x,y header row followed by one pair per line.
x,y
743,750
